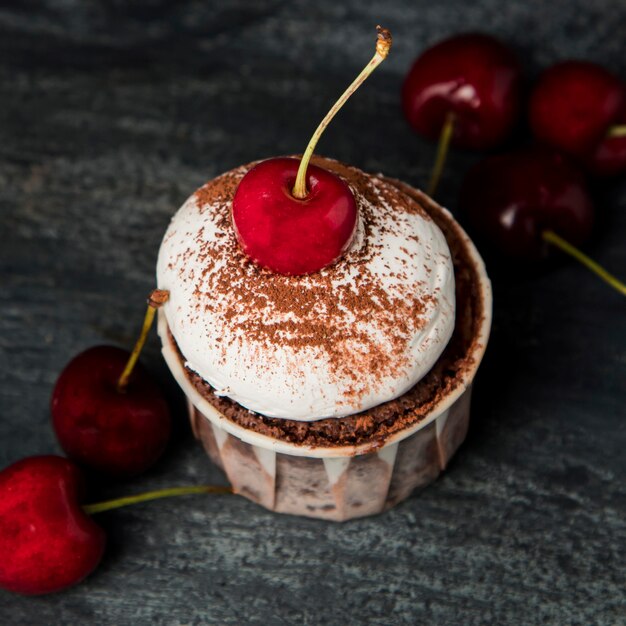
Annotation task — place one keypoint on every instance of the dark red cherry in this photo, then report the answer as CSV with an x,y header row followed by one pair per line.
x,y
288,235
116,432
573,107
47,541
474,76
292,217
510,199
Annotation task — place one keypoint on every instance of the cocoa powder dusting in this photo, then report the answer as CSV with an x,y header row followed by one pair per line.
x,y
306,316
320,316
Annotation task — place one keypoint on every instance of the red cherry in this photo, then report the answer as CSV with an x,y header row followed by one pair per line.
x,y
117,432
286,234
572,108
295,218
511,199
47,541
473,76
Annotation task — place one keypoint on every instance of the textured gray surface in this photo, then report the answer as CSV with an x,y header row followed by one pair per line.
x,y
111,113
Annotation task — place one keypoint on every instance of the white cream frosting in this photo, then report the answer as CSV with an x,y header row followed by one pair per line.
x,y
330,344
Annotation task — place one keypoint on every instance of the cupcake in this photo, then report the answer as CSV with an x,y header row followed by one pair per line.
x,y
337,393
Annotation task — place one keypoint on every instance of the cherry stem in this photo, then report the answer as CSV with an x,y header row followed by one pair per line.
x,y
108,505
156,299
552,238
383,45
443,146
618,130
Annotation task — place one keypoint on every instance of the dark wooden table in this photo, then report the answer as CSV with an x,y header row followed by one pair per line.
x,y
111,114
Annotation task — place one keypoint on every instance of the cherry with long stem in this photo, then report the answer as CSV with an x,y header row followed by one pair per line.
x,y
48,541
117,424
524,202
465,91
293,217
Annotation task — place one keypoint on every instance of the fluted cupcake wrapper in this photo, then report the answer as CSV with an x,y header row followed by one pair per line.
x,y
338,488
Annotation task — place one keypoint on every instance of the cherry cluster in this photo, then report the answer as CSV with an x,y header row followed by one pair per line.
x,y
110,416
468,90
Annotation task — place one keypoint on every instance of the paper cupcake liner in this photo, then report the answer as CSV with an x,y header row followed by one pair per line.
x,y
338,488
